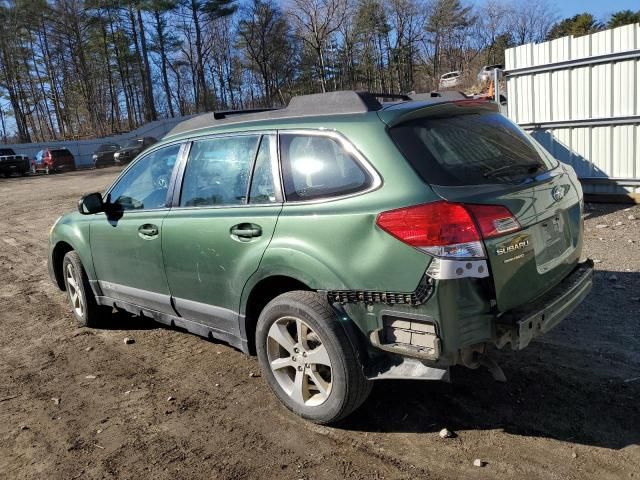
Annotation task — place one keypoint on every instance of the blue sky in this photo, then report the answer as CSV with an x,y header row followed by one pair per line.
x,y
600,8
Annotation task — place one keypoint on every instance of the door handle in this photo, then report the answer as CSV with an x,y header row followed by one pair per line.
x,y
246,231
148,230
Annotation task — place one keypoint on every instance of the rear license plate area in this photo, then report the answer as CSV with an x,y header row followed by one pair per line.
x,y
553,242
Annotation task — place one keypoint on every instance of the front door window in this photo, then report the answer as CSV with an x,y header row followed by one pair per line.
x,y
144,186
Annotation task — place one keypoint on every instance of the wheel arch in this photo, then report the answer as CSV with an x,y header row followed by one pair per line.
x,y
57,256
258,297
64,238
282,269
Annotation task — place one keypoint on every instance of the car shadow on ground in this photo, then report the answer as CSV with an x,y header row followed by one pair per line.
x,y
580,383
121,320
537,400
595,210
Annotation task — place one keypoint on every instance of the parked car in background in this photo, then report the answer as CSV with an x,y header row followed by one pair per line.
x,y
52,160
133,148
340,239
451,79
12,163
103,156
486,73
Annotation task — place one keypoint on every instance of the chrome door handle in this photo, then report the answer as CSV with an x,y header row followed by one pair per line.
x,y
148,230
246,230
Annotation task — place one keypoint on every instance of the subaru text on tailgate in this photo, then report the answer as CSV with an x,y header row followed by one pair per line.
x,y
340,239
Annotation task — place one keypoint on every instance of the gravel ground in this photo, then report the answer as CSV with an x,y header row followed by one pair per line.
x,y
79,403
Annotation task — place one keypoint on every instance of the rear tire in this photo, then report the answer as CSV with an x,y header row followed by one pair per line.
x,y
307,358
83,303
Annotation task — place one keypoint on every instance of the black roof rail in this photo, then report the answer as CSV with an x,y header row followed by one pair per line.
x,y
221,114
316,104
390,96
448,94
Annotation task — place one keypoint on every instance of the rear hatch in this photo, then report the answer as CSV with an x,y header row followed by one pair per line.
x,y
471,154
62,158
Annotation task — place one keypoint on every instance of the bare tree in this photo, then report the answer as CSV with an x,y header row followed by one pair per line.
x,y
531,20
315,22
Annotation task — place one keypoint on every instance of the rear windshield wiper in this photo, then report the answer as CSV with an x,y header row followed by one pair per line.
x,y
496,172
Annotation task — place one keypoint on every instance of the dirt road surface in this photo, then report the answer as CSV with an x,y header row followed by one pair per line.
x,y
571,408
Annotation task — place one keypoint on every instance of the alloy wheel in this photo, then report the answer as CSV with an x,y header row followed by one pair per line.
x,y
75,293
299,361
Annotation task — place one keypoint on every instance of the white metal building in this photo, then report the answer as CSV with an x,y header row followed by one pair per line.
x,y
580,98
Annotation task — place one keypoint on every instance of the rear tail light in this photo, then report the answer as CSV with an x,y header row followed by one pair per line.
x,y
493,220
445,229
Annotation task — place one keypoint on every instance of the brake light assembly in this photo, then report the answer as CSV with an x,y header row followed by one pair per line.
x,y
450,232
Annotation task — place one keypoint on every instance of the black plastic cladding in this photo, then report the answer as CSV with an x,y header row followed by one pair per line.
x,y
415,298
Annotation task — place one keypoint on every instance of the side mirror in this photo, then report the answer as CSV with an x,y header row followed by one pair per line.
x,y
91,203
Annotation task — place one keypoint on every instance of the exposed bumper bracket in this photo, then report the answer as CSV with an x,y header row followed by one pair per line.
x,y
520,326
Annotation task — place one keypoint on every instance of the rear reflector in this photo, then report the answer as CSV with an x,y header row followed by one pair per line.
x,y
446,229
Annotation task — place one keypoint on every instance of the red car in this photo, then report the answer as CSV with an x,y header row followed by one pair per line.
x,y
53,160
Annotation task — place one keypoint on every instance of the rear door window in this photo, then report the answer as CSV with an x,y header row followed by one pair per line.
x,y
263,188
217,173
469,150
316,167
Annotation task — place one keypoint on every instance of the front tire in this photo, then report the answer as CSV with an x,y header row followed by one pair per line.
x,y
307,358
83,303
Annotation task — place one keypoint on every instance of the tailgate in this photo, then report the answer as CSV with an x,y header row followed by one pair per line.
x,y
469,153
527,263
66,160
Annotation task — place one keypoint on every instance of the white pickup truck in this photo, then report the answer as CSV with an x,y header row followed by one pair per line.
x,y
12,163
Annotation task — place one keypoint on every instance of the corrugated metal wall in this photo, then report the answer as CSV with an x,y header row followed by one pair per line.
x,y
580,98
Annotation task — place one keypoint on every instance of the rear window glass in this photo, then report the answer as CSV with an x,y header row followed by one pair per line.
x,y
317,167
469,150
6,151
61,152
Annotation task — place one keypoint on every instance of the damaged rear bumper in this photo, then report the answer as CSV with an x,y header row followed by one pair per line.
x,y
518,327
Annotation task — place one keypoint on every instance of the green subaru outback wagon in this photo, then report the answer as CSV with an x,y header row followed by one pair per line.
x,y
342,239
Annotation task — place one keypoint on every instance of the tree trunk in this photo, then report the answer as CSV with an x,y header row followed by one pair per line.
x,y
163,59
202,98
147,70
148,115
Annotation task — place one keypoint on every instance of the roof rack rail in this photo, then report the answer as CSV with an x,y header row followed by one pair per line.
x,y
448,94
391,96
219,115
345,102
